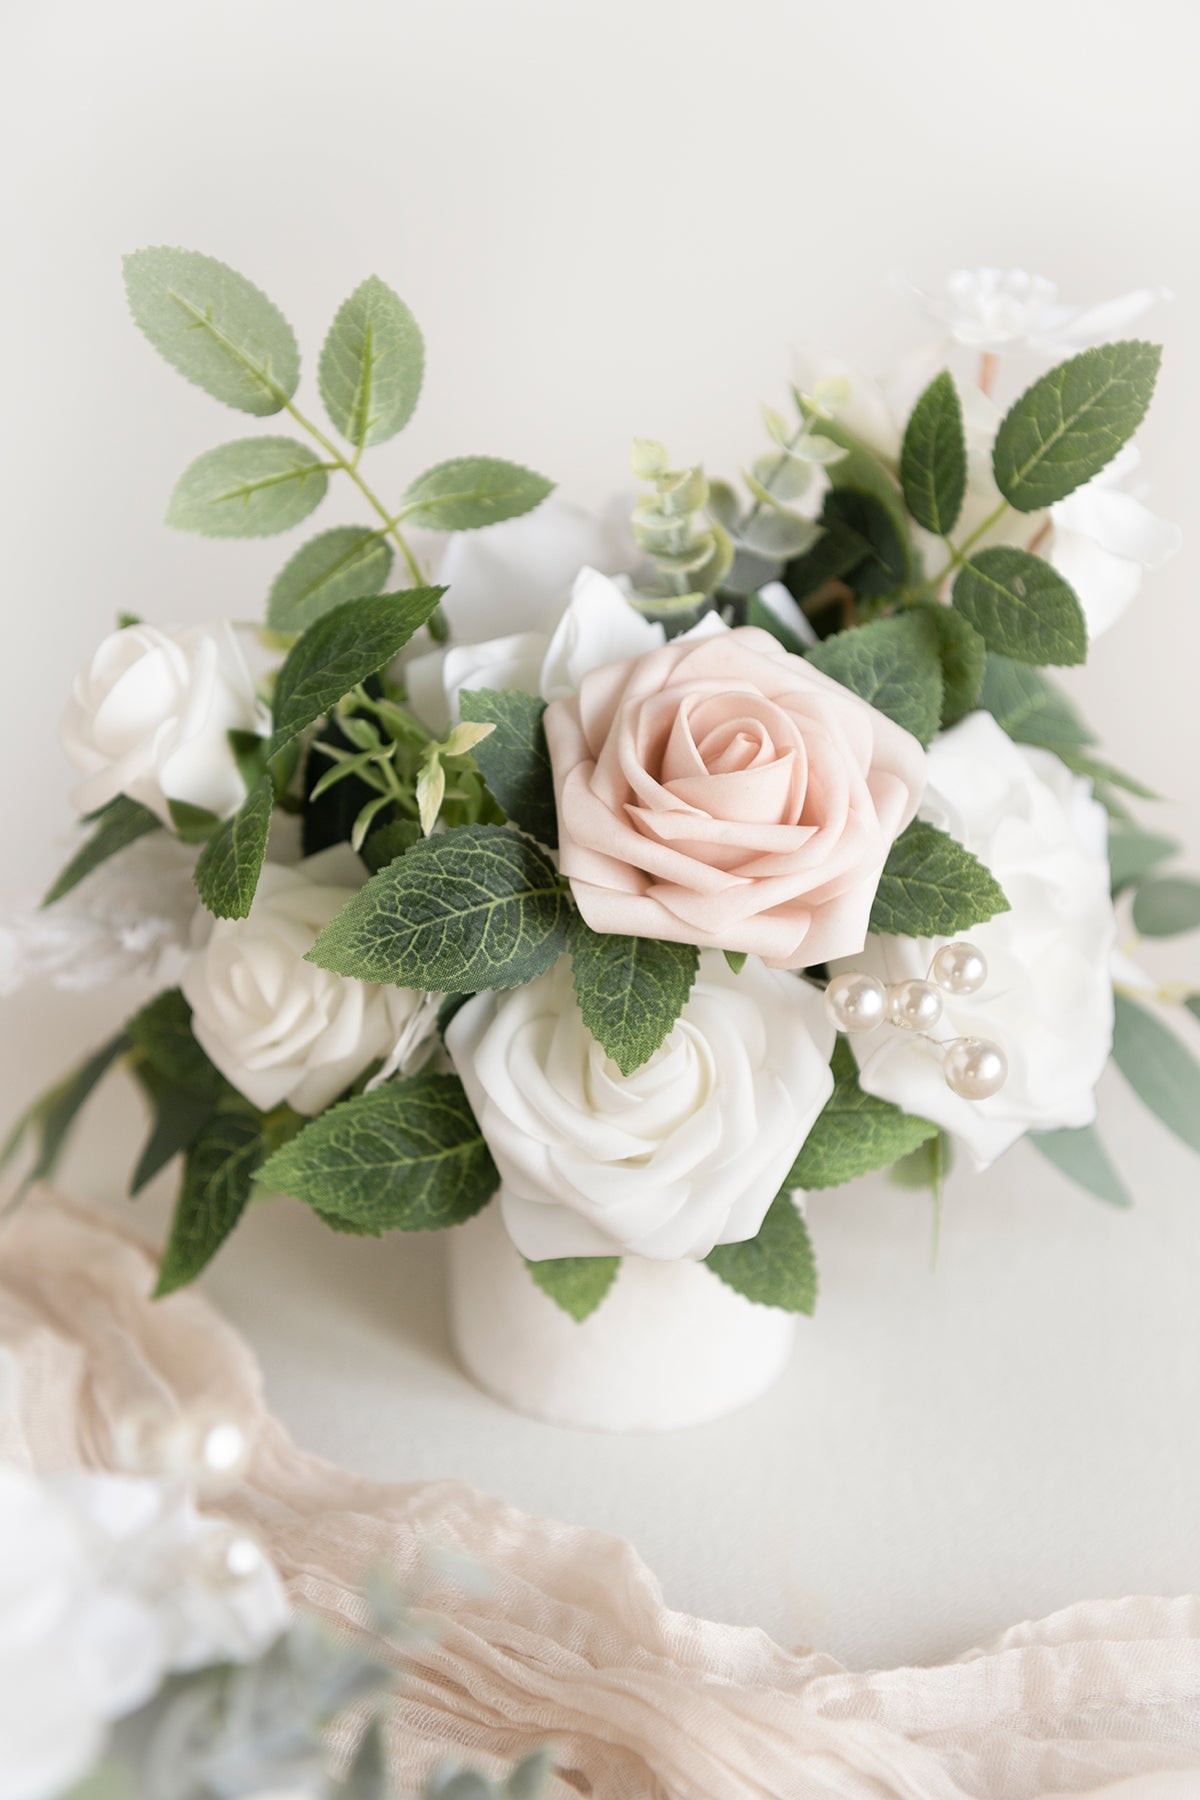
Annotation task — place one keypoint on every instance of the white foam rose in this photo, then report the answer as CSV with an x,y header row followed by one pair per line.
x,y
277,1027
687,1152
1048,997
1010,309
150,717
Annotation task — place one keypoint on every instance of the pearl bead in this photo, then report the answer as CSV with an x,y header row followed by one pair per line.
x,y
916,1005
856,1002
226,1558
960,968
200,1446
975,1068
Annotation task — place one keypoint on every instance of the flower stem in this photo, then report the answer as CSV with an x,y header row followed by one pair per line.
x,y
390,527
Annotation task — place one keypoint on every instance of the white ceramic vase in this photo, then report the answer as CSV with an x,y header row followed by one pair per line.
x,y
670,1345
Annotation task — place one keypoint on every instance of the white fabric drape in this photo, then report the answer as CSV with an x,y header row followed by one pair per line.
x,y
570,1641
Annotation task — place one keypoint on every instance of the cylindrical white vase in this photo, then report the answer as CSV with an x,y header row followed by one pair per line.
x,y
669,1345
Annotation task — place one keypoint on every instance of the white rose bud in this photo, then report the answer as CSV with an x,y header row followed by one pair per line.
x,y
277,1027
687,1152
151,714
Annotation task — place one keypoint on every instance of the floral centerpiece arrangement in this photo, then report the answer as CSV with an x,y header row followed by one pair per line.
x,y
640,876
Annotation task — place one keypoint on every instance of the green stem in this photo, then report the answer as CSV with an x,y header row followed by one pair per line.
x,y
958,556
390,526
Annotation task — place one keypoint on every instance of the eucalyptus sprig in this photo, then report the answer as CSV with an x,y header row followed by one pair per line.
x,y
691,551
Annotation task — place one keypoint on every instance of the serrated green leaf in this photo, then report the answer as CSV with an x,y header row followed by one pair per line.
x,y
477,907
1070,424
350,643
576,1283
513,758
925,1167
230,864
50,1118
342,564
214,326
372,365
389,841
1030,708
218,1174
122,822
855,1133
963,657
407,1156
469,491
1132,853
885,561
933,460
776,1268
253,487
177,1120
1166,907
162,1033
933,887
1080,1155
1103,775
1159,1068
1021,607
630,990
894,665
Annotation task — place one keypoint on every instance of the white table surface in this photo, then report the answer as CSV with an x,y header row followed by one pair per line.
x,y
949,1452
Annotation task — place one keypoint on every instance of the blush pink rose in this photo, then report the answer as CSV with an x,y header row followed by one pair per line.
x,y
721,792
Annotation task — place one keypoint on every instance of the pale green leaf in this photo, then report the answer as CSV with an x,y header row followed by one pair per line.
x,y
214,326
342,564
894,665
513,759
1132,853
470,491
776,1268
576,1283
1167,906
407,1156
854,1133
1159,1068
933,460
49,1120
1021,607
372,365
630,990
477,907
231,862
1030,708
1081,1156
122,822
253,487
933,887
1070,424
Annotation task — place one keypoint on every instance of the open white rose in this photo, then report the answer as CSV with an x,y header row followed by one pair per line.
x,y
687,1152
1048,997
151,714
1009,309
277,1027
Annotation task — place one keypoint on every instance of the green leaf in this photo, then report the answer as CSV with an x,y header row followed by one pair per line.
x,y
630,990
736,960
576,1283
388,842
513,758
1021,607
893,664
760,614
162,1033
344,647
50,1118
218,1173
214,326
1193,1005
406,1156
854,1133
933,887
478,907
342,564
1102,775
1081,1156
253,487
1030,708
1069,425
963,656
880,529
1159,1068
191,824
122,822
372,365
177,1120
933,461
925,1167
230,864
470,491
1132,853
1166,907
777,1268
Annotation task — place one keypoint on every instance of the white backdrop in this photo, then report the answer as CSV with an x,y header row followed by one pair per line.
x,y
615,216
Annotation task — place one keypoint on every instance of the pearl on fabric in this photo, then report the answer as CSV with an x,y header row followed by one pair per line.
x,y
856,1002
959,968
225,1558
975,1068
915,1005
200,1446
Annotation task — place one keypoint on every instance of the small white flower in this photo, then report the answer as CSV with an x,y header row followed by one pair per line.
x,y
1048,998
1007,309
107,1585
150,717
687,1152
277,1027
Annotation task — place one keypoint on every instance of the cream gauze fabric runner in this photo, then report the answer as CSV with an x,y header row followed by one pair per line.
x,y
570,1642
